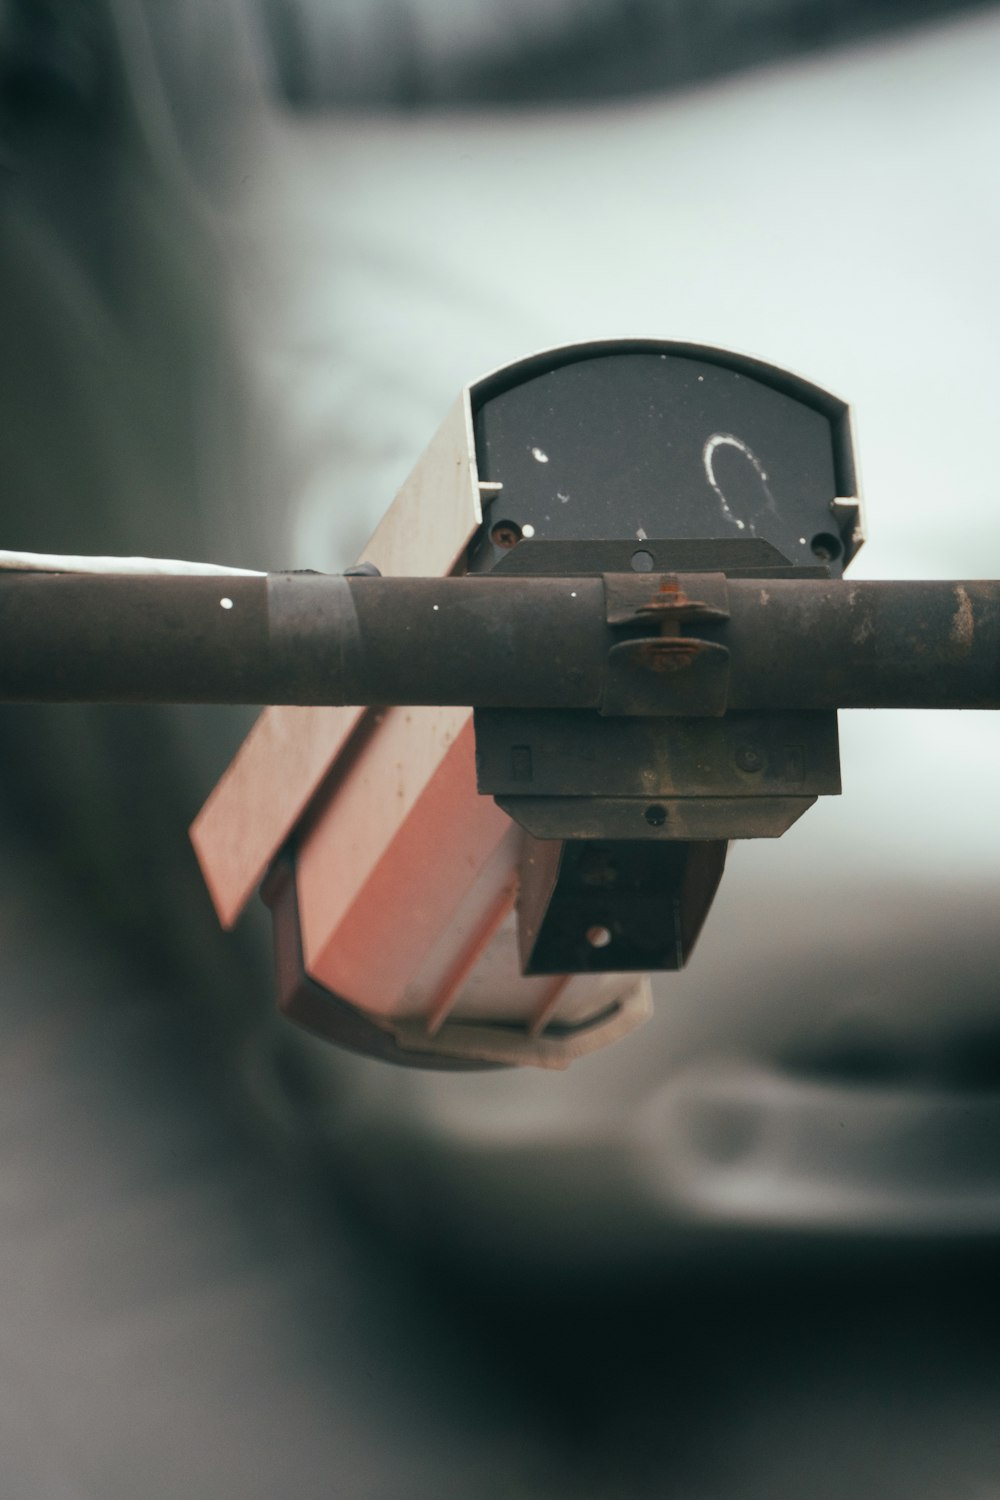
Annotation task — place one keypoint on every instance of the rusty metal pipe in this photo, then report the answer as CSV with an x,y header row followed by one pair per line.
x,y
817,644
488,641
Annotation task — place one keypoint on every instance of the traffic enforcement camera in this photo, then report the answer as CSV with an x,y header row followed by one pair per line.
x,y
453,888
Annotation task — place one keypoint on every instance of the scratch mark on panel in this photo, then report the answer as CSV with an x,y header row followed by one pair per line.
x,y
963,622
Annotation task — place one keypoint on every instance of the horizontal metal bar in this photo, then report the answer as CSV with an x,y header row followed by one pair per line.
x,y
302,638
487,641
817,644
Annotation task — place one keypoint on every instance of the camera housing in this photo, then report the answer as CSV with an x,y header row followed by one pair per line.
x,y
454,888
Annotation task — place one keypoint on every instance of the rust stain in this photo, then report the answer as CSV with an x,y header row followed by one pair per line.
x,y
667,608
671,653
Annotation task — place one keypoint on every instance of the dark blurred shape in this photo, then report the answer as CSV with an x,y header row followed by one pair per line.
x,y
423,53
52,57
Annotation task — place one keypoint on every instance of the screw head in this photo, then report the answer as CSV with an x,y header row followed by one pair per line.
x,y
506,534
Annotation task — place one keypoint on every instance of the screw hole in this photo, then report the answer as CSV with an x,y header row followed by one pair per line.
x,y
505,534
642,561
826,546
749,758
656,815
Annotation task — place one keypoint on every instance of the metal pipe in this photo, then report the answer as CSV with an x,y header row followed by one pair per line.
x,y
817,644
302,638
485,640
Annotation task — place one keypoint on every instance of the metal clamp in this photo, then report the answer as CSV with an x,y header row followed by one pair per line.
x,y
698,670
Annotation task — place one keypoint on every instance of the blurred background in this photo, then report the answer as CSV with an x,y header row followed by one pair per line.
x,y
250,253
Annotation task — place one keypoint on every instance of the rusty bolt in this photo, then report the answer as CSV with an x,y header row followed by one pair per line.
x,y
505,534
670,653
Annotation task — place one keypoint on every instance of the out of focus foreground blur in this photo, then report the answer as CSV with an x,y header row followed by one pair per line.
x,y
250,253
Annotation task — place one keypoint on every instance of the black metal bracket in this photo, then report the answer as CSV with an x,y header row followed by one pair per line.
x,y
652,786
618,906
